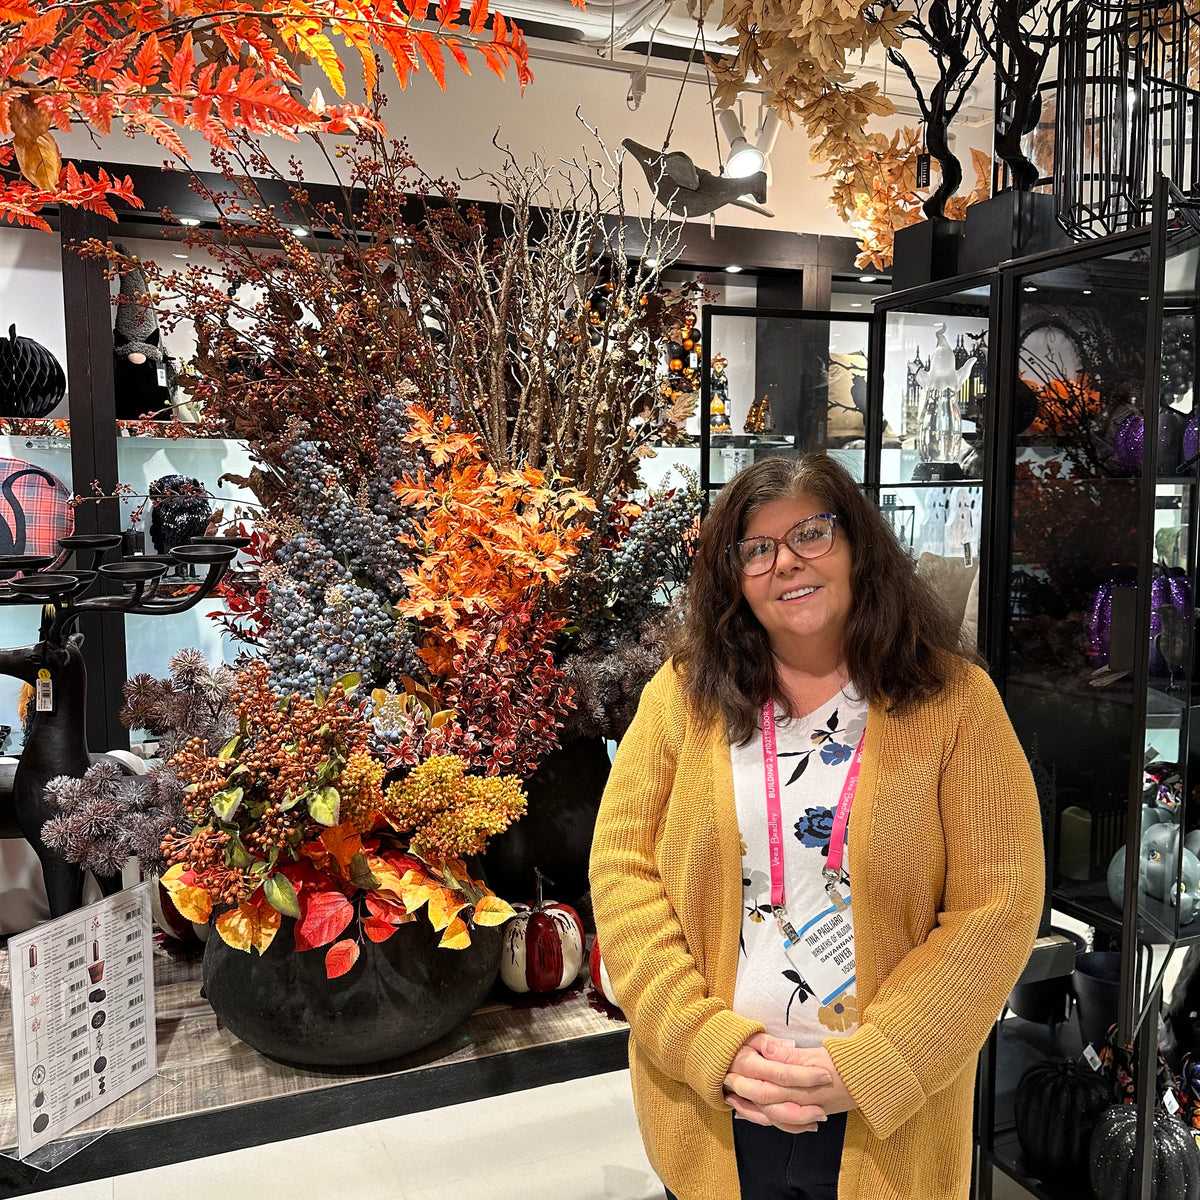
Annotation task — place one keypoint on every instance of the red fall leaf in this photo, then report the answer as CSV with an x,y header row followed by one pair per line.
x,y
340,957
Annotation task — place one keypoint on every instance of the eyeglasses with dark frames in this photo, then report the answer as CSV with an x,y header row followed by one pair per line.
x,y
810,538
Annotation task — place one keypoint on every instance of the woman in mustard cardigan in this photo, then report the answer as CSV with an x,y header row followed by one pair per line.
x,y
817,870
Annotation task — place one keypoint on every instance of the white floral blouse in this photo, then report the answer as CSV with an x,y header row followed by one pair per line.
x,y
815,753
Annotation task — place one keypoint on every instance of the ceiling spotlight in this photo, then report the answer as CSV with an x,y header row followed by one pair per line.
x,y
637,89
179,256
299,231
652,263
1143,297
856,304
1031,289
867,278
1087,291
746,159
734,269
189,220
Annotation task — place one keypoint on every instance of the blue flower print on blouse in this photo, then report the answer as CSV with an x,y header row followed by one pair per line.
x,y
815,828
833,753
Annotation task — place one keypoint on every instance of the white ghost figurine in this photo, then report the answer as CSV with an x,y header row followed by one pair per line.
x,y
939,431
942,373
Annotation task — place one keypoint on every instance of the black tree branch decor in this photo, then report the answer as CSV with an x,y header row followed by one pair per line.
x,y
1018,36
949,30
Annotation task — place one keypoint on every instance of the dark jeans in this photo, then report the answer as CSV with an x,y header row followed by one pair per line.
x,y
773,1165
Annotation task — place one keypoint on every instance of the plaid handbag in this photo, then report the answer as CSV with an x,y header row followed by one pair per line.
x,y
35,509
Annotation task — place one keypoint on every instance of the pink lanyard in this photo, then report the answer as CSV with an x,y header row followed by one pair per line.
x,y
837,836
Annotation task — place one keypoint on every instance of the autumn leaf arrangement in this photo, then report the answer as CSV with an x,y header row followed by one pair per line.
x,y
291,818
162,68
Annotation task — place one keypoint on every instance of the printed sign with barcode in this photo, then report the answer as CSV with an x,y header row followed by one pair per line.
x,y
83,1050
133,935
77,1009
137,1045
138,999
74,941
81,1076
136,1022
81,1099
137,1066
78,1032
132,958
74,963
75,986
133,979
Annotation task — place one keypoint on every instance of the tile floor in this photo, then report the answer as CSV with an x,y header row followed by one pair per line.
x,y
569,1141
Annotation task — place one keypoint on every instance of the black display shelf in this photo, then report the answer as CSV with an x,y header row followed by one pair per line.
x,y
1088,902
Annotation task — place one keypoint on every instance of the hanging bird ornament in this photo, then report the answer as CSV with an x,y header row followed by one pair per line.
x,y
690,191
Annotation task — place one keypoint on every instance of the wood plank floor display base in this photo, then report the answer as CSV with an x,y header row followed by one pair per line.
x,y
230,1096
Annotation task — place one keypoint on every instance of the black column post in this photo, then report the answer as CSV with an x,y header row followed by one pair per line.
x,y
92,406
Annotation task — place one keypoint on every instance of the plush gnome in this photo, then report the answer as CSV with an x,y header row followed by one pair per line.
x,y
143,372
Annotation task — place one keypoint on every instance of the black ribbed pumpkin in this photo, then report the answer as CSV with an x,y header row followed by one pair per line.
x,y
1176,1157
1056,1107
31,379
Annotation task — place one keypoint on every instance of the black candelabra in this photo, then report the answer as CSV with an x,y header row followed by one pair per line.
x,y
55,731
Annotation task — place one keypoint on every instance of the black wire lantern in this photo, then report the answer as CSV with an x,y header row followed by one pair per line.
x,y
1127,107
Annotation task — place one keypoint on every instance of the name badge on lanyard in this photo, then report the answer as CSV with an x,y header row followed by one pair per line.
x,y
822,949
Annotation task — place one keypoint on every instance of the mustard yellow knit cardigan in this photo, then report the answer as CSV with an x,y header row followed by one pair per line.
x,y
946,866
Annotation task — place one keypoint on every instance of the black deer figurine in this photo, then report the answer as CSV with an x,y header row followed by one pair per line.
x,y
56,733
55,744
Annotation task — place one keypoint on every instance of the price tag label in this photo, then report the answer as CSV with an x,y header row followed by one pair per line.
x,y
44,692
1091,1057
924,167
1170,1103
162,374
966,554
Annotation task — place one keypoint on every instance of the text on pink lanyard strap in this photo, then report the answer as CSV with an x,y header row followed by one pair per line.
x,y
837,837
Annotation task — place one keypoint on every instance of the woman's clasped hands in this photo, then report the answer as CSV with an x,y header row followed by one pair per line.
x,y
775,1082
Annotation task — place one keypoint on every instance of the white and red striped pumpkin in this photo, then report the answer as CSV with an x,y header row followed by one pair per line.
x,y
543,948
599,973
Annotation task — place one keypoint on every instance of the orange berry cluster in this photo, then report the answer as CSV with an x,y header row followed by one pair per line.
x,y
291,747
203,852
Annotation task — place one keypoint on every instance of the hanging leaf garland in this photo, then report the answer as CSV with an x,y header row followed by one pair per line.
x,y
219,69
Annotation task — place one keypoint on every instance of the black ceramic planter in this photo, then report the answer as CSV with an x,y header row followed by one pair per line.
x,y
401,995
555,834
926,251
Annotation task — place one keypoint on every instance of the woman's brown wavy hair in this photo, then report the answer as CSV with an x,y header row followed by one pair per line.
x,y
901,642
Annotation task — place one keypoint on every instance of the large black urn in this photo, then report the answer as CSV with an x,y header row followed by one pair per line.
x,y
401,995
555,834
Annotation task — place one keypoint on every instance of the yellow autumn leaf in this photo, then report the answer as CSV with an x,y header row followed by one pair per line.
x,y
491,910
170,879
444,904
194,903
388,876
249,927
456,937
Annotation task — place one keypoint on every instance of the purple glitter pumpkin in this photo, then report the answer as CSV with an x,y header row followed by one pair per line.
x,y
1173,590
1128,443
1191,439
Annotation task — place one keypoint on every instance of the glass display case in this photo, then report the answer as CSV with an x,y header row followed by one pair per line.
x,y
777,381
1092,635
932,371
